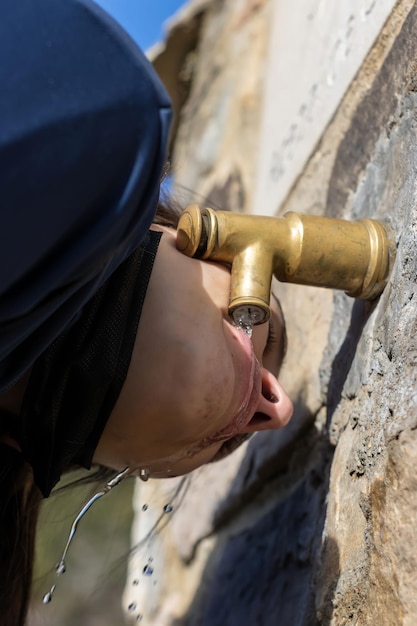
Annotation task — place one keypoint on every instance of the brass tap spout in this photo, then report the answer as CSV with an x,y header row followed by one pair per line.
x,y
303,249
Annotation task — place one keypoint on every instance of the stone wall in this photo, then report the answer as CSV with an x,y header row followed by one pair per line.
x,y
314,524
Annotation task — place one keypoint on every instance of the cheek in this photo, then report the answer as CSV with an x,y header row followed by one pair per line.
x,y
206,403
204,383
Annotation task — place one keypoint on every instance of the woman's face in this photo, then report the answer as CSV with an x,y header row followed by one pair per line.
x,y
196,385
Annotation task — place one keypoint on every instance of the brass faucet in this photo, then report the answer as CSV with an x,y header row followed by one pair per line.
x,y
304,249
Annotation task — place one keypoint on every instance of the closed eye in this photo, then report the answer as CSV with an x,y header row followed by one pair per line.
x,y
276,343
272,339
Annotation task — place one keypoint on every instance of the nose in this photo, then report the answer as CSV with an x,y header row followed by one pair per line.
x,y
274,409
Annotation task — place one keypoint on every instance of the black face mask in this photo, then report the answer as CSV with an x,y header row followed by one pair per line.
x,y
74,385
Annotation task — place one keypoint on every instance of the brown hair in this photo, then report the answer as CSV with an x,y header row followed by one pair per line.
x,y
19,507
168,213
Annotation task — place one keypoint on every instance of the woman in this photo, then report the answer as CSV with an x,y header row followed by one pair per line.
x,y
83,131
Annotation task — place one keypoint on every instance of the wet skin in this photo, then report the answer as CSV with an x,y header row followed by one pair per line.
x,y
196,384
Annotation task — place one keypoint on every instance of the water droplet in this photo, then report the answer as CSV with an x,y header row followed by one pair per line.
x,y
48,596
245,317
61,568
135,582
168,508
139,617
145,507
144,474
148,570
132,606
150,559
243,322
247,328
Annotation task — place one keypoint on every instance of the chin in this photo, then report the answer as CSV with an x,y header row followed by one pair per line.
x,y
230,446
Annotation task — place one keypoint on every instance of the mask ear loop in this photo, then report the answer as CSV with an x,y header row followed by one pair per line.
x,y
61,566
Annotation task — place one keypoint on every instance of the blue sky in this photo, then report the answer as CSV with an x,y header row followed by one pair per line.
x,y
143,19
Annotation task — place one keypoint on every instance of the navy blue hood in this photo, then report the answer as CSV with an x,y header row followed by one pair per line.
x,y
84,125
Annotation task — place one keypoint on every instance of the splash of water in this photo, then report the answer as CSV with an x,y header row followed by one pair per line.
x,y
247,328
244,322
61,565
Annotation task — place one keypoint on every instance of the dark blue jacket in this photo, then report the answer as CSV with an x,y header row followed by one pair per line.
x,y
84,124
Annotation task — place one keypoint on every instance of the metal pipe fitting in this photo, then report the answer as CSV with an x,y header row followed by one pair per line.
x,y
304,249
